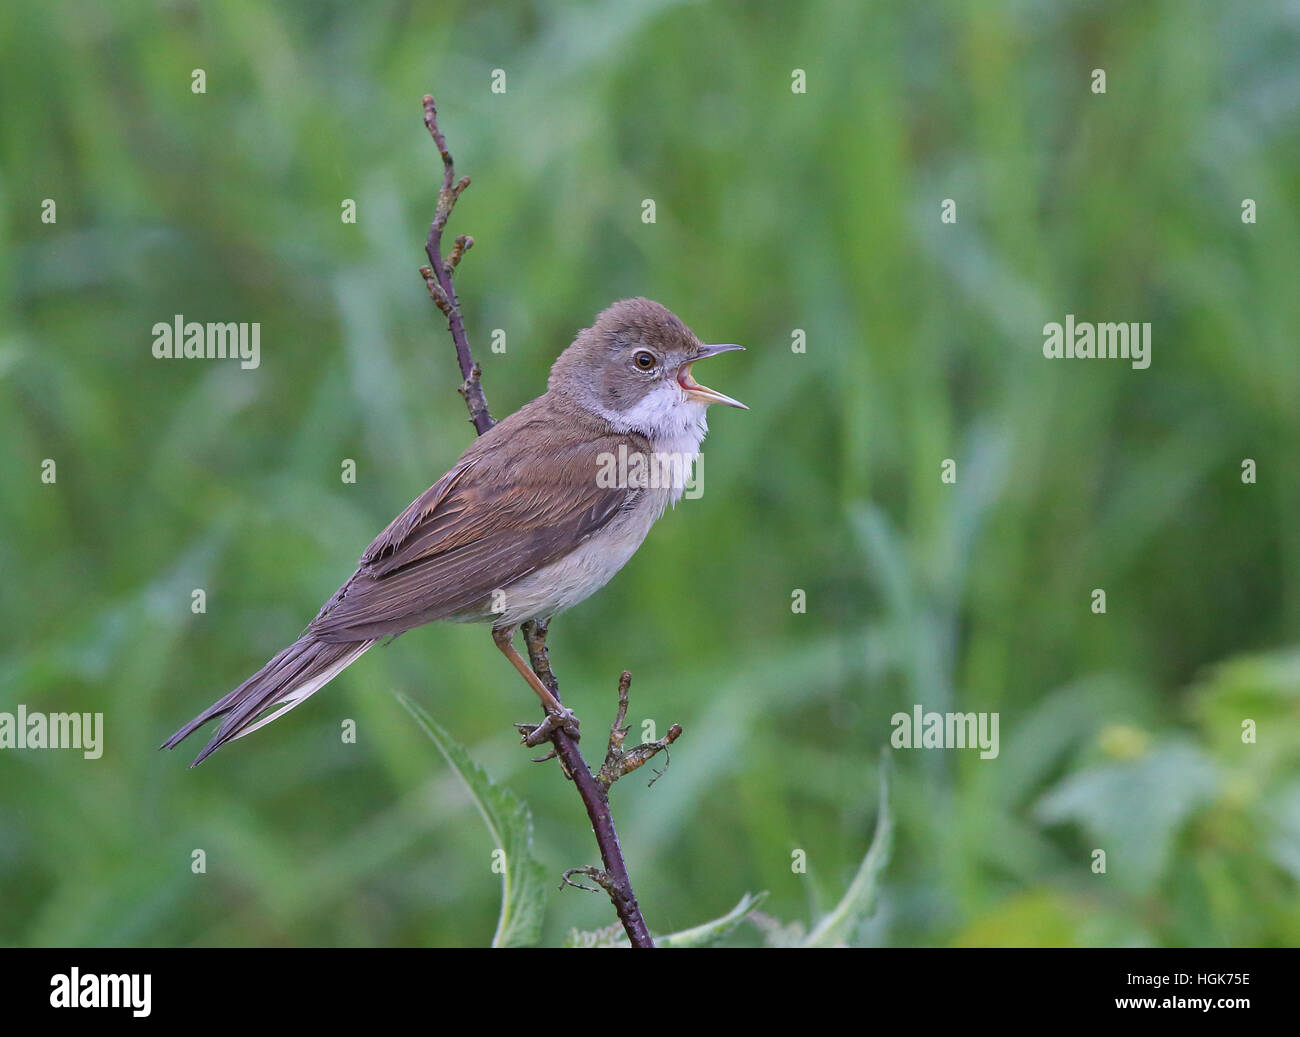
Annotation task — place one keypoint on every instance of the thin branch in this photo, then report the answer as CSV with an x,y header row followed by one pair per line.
x,y
595,874
437,276
620,761
595,797
593,788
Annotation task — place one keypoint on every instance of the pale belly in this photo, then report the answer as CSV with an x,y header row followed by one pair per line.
x,y
581,572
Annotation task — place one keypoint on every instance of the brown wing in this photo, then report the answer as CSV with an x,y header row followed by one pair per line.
x,y
494,518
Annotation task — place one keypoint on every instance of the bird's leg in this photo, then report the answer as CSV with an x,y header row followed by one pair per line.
x,y
504,638
534,631
557,716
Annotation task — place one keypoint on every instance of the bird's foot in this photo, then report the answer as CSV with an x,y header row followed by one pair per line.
x,y
535,734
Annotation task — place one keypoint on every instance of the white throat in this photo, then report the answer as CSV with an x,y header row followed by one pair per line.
x,y
675,425
670,419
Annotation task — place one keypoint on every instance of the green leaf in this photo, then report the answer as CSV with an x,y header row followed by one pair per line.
x,y
1262,688
1135,808
510,823
779,934
860,899
711,932
700,936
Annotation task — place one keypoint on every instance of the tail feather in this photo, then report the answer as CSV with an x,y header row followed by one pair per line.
x,y
289,679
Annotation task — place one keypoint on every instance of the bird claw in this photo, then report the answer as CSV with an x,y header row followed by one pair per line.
x,y
535,734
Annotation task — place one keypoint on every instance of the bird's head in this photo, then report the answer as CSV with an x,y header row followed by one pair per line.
x,y
632,367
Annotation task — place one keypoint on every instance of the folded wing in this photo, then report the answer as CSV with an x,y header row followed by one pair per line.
x,y
488,522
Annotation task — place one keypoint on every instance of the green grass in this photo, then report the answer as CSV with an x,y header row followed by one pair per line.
x,y
775,211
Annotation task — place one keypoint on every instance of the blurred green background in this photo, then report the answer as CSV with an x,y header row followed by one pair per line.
x,y
775,211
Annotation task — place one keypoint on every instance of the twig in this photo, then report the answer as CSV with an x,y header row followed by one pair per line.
x,y
618,761
437,276
593,788
595,874
595,797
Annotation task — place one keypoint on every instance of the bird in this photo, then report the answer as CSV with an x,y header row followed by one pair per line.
x,y
538,514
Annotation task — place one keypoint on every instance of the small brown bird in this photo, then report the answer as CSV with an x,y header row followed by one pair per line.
x,y
529,521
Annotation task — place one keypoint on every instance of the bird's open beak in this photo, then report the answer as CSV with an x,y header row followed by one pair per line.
x,y
703,393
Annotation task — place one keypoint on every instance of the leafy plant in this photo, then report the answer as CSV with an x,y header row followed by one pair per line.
x,y
510,824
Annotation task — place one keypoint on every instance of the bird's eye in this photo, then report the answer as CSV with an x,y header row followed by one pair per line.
x,y
645,361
